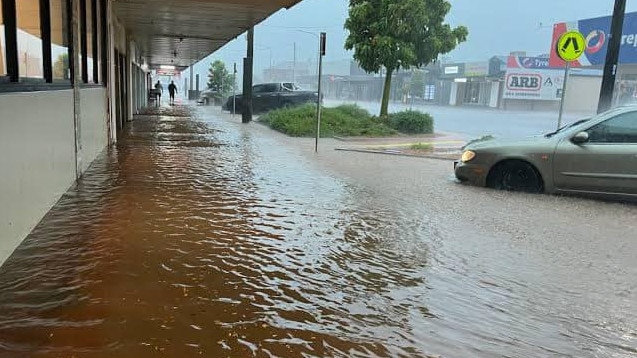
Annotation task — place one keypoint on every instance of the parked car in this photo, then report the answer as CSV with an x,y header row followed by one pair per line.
x,y
595,156
208,97
268,96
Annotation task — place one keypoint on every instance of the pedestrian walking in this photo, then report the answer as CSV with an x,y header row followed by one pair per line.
x,y
172,89
159,89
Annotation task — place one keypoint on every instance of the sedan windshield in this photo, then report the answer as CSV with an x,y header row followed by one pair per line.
x,y
290,86
549,135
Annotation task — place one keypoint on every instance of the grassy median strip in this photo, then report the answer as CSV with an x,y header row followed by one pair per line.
x,y
345,121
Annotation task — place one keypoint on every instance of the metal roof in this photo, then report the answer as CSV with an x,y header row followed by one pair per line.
x,y
181,32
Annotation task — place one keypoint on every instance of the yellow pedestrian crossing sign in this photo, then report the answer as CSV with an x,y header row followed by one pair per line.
x,y
571,46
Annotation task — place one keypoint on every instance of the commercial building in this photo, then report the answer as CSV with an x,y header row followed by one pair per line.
x,y
471,83
73,72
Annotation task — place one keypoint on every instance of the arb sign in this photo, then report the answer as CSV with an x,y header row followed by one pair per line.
x,y
570,46
530,78
524,82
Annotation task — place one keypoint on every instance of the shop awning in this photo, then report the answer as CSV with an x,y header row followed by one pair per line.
x,y
181,32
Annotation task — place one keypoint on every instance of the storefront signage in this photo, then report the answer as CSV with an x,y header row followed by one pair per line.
x,y
596,36
476,69
527,62
533,84
452,70
167,72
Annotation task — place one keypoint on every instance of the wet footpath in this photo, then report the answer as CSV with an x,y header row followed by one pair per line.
x,y
197,236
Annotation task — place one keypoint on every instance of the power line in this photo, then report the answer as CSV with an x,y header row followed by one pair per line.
x,y
305,27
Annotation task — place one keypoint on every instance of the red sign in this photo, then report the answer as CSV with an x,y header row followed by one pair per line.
x,y
171,73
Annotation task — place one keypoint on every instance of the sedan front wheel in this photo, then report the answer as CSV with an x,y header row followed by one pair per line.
x,y
515,176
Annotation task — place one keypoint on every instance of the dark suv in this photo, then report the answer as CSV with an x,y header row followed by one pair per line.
x,y
268,96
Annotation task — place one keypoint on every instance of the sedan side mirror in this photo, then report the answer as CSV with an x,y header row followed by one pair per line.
x,y
580,138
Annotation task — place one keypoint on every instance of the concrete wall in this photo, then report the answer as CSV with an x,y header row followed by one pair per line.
x,y
582,94
453,99
529,105
495,95
37,143
37,139
93,126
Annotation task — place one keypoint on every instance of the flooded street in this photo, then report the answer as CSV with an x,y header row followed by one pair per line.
x,y
475,122
199,236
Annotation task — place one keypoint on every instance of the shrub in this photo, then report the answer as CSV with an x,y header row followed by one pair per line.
x,y
422,147
346,121
412,122
353,110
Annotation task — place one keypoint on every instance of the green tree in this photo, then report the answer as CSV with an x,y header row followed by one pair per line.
x,y
220,79
61,67
398,34
417,84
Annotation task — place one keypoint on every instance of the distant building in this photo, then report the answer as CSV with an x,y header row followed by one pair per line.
x,y
288,71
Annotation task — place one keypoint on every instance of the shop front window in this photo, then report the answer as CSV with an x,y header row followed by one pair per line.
x,y
29,39
3,63
89,39
59,40
472,93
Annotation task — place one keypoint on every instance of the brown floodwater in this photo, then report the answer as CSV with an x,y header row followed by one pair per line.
x,y
197,237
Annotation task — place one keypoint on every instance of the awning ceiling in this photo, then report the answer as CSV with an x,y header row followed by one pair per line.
x,y
181,32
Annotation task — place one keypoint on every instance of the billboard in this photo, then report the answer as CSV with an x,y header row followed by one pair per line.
x,y
476,69
530,78
597,31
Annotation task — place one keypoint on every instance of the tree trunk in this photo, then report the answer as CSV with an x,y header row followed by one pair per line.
x,y
384,106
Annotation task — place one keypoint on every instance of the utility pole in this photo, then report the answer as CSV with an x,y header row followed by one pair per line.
x,y
294,65
612,57
322,42
246,104
234,90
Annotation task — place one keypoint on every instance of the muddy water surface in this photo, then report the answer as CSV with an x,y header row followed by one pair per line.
x,y
200,237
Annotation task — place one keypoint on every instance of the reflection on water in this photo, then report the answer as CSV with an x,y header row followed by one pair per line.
x,y
188,240
199,238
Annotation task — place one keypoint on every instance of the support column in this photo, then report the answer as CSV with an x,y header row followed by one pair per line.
x,y
77,123
192,72
112,73
11,35
129,78
246,104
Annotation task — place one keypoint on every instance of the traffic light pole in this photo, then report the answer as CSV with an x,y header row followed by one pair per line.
x,y
612,57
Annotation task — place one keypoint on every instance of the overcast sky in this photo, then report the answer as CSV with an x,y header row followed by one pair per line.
x,y
496,27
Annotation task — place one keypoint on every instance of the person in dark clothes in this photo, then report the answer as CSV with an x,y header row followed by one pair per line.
x,y
159,89
172,89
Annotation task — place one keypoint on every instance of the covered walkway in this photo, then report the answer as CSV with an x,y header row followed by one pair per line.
x,y
192,237
90,64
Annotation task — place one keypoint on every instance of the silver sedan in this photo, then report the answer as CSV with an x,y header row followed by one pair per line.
x,y
594,156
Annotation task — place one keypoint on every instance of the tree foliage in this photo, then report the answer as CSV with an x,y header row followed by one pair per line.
x,y
61,67
399,34
220,79
417,84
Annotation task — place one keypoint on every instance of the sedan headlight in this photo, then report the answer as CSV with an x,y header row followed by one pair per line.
x,y
468,156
